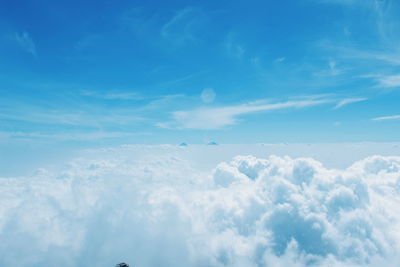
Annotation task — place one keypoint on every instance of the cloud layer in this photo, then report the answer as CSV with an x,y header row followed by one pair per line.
x,y
160,211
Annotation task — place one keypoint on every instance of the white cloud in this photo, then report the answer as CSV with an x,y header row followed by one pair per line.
x,y
392,58
65,136
233,47
219,117
388,55
375,5
183,26
388,80
95,118
394,117
25,42
87,41
153,208
384,81
114,95
333,68
342,2
348,101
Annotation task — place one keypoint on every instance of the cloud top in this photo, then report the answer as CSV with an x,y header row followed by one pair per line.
x,y
159,210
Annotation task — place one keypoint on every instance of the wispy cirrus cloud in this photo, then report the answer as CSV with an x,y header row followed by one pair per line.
x,y
384,53
383,28
373,4
183,26
389,57
393,117
348,101
90,116
280,59
113,95
69,136
345,2
220,117
233,47
87,41
384,80
332,70
25,42
388,80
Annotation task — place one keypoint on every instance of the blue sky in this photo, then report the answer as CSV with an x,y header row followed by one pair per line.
x,y
114,72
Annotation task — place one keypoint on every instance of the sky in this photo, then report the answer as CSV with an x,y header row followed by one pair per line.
x,y
151,72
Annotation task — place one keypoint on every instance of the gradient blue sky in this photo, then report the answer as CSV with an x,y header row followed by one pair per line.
x,y
113,72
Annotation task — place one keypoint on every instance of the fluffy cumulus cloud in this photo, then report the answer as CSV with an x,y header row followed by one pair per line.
x,y
161,211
